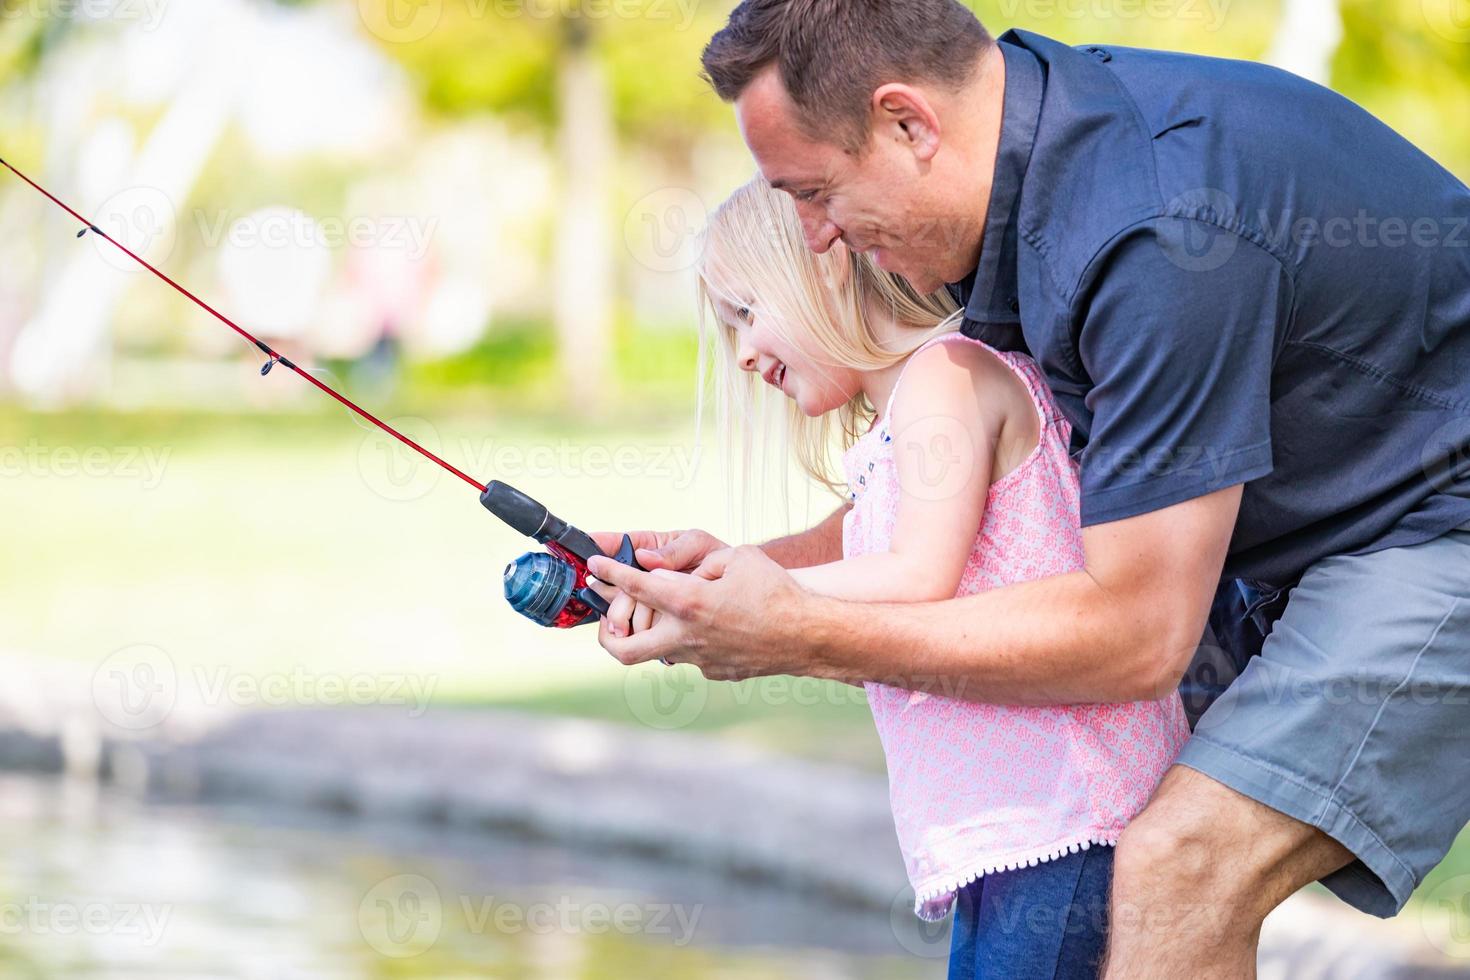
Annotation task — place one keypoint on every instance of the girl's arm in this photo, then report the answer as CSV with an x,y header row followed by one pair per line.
x,y
947,419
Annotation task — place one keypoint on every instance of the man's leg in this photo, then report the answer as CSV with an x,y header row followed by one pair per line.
x,y
1335,755
1196,874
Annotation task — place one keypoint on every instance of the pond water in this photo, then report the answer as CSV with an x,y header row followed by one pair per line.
x,y
98,884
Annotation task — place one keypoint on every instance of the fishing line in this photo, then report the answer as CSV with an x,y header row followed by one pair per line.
x,y
550,589
273,356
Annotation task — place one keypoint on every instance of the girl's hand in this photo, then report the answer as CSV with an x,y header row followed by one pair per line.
x,y
678,551
625,616
628,617
740,615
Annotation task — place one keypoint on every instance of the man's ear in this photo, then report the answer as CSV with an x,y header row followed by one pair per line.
x,y
903,113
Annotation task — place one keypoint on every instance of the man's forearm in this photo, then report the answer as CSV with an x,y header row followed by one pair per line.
x,y
817,546
1059,640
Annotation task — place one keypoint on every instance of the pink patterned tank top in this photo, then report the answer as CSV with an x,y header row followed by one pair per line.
x,y
981,788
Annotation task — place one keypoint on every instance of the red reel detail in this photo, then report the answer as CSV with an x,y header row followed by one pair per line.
x,y
576,612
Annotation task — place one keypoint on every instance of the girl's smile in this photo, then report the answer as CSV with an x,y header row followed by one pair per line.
x,y
775,376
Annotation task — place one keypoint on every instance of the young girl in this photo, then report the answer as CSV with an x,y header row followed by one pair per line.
x,y
961,482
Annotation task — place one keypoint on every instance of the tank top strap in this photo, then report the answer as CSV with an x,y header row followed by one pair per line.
x,y
1021,366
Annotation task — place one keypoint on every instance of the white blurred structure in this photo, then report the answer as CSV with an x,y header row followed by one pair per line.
x,y
293,83
1307,38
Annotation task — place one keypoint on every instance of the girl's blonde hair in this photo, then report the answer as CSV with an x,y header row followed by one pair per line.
x,y
756,256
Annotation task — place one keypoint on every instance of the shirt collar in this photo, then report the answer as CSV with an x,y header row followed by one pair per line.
x,y
992,288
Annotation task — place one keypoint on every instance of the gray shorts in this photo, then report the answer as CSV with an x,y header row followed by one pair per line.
x,y
1355,716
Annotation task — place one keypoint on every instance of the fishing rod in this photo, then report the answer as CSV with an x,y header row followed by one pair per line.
x,y
548,588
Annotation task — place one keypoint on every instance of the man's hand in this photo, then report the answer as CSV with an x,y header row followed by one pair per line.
x,y
677,551
737,615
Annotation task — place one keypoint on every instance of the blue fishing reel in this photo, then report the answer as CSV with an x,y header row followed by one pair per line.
x,y
550,588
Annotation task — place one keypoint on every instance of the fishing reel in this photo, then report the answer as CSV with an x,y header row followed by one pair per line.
x,y
550,589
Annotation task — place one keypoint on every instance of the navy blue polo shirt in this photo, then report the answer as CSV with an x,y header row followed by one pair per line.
x,y
1230,275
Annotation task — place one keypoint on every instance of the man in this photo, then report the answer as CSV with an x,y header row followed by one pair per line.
x,y
1252,301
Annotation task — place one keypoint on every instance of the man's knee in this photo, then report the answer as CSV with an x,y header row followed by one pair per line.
x,y
1199,837
1173,843
1176,873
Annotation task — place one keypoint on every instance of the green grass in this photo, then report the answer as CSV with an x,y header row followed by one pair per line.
x,y
268,547
272,543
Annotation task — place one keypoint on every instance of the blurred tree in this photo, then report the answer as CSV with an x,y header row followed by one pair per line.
x,y
583,268
1408,62
25,39
590,75
1221,28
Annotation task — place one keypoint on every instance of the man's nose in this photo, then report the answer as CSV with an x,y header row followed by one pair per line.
x,y
818,229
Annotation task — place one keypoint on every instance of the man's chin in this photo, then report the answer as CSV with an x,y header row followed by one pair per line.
x,y
923,282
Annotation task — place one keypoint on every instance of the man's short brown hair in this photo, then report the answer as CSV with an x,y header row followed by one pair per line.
x,y
833,54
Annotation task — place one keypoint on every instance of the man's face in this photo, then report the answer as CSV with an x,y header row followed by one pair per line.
x,y
886,203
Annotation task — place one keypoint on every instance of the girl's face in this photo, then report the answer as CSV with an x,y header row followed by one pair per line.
x,y
816,387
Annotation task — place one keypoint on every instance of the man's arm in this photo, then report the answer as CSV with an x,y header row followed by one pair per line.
x,y
1123,629
816,546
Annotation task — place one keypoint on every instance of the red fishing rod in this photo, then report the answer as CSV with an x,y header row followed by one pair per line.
x,y
550,589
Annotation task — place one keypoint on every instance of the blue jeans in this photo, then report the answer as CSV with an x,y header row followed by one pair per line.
x,y
1047,922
